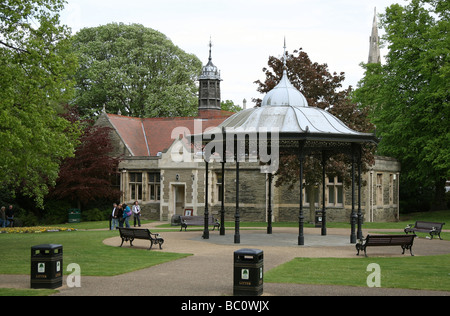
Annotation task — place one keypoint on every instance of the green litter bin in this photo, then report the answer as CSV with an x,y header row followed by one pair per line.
x,y
74,215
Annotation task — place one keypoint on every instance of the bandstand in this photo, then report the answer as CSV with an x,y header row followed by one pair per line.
x,y
284,124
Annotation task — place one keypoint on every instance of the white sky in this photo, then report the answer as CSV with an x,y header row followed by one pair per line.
x,y
245,33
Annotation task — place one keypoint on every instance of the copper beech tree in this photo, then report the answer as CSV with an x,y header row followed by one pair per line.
x,y
324,90
89,175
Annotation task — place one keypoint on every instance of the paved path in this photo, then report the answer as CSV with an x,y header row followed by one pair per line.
x,y
209,272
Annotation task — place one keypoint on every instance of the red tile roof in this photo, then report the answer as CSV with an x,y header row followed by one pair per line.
x,y
148,136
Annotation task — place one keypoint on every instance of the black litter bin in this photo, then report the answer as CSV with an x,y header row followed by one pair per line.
x,y
46,266
175,220
318,218
248,272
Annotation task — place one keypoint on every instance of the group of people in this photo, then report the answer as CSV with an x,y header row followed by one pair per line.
x,y
7,216
121,213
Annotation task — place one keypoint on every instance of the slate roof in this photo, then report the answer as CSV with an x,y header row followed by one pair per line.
x,y
145,137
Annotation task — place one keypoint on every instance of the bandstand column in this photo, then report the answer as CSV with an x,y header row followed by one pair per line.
x,y
222,189
353,215
324,211
269,205
359,232
237,237
206,230
301,219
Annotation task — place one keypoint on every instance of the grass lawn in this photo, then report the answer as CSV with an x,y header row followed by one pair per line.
x,y
425,273
27,292
85,248
405,219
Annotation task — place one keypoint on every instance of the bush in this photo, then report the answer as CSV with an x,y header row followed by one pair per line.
x,y
93,215
56,212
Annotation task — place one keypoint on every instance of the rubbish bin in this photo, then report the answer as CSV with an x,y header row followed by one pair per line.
x,y
318,218
74,215
175,220
248,272
46,266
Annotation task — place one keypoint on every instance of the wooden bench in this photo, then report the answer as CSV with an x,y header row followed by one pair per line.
x,y
434,229
405,241
197,221
130,234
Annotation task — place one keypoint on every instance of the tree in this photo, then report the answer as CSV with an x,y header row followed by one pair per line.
x,y
88,176
408,97
319,86
36,63
229,106
321,89
136,70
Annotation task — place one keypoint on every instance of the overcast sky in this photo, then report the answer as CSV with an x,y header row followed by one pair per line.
x,y
246,32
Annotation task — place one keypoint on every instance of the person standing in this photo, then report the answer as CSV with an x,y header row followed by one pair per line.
x,y
120,215
126,214
3,222
136,213
10,216
115,217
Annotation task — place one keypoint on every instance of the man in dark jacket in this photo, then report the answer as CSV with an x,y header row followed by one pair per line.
x,y
10,216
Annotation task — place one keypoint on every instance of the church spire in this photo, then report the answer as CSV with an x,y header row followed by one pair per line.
x,y
374,49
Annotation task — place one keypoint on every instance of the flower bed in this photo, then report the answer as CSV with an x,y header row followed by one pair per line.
x,y
34,229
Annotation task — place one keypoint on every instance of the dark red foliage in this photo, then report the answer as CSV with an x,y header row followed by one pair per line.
x,y
88,176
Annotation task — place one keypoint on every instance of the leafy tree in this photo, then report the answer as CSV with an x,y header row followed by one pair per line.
x,y
136,70
321,89
408,97
35,63
88,176
229,106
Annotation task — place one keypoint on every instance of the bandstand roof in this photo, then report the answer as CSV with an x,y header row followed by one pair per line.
x,y
286,110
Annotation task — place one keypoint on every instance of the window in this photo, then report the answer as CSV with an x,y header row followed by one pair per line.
x,y
391,189
154,186
379,189
219,184
135,186
335,191
316,194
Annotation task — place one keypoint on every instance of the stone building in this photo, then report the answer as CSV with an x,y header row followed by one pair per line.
x,y
161,170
